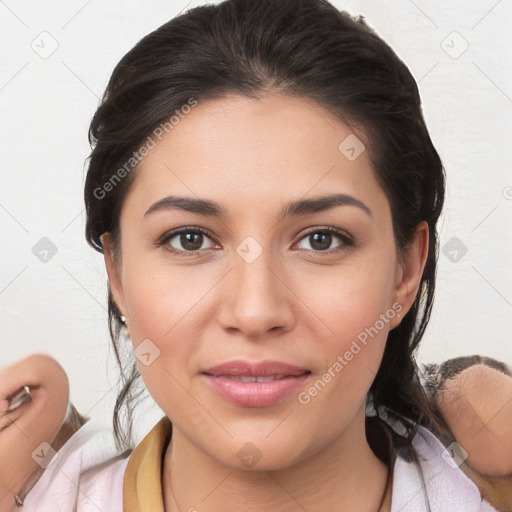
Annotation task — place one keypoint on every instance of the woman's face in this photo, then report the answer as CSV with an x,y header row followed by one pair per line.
x,y
257,285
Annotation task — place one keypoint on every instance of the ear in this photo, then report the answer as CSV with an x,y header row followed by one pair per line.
x,y
113,272
409,271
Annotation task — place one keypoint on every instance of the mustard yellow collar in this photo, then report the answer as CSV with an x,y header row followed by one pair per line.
x,y
142,486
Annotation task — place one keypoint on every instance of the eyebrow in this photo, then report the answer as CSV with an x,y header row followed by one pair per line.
x,y
300,207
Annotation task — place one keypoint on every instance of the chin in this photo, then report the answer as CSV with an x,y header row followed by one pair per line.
x,y
264,452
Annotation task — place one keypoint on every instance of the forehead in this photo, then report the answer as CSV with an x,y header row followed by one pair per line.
x,y
243,149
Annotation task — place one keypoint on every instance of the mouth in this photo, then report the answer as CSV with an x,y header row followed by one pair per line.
x,y
259,384
251,378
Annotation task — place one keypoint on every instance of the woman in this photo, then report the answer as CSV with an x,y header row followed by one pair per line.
x,y
265,193
468,393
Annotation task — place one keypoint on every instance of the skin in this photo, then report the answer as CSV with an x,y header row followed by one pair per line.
x,y
294,303
25,428
477,397
477,407
287,305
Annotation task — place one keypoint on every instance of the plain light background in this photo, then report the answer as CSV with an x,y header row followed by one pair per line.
x,y
460,55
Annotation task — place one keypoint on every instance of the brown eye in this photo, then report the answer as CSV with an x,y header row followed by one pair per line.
x,y
191,241
186,241
322,240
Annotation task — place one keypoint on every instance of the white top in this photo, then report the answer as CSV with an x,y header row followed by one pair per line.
x,y
448,488
87,475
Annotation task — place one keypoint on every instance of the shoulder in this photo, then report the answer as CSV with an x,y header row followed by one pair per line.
x,y
103,486
85,473
438,480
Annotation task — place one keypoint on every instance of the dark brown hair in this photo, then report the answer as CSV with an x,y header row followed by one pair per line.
x,y
436,375
301,48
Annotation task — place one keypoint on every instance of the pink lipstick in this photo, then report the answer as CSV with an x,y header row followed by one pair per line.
x,y
256,384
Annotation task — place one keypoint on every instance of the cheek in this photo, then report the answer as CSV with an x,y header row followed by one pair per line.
x,y
352,297
355,305
164,310
160,297
160,310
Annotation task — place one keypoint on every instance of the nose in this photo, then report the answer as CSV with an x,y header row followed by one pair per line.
x,y
256,298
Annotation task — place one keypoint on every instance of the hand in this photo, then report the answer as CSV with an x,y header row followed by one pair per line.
x,y
476,405
23,429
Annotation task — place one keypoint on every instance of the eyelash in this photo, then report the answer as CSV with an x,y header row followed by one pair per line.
x,y
346,240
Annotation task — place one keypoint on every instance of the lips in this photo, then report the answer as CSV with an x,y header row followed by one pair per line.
x,y
252,378
256,369
255,384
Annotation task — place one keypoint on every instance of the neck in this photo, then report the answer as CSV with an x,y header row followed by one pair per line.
x,y
344,475
502,492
